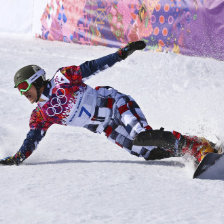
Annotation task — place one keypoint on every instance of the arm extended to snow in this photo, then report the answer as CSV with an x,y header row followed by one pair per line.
x,y
28,146
89,68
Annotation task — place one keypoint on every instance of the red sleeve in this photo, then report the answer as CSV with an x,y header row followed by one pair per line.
x,y
37,121
73,73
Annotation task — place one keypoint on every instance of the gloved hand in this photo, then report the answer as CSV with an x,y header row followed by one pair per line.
x,y
130,48
12,160
8,161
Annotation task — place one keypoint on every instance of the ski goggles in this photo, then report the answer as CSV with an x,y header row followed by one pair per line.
x,y
25,85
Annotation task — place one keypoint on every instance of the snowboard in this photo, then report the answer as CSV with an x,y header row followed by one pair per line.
x,y
208,161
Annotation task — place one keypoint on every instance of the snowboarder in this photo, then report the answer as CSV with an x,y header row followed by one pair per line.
x,y
67,100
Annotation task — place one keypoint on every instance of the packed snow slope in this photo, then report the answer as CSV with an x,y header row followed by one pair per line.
x,y
79,177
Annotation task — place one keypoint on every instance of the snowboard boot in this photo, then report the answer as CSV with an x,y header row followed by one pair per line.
x,y
196,146
130,48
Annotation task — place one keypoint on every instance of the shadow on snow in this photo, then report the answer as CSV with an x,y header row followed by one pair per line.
x,y
154,163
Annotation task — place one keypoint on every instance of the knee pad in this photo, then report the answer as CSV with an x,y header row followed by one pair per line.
x,y
159,138
158,153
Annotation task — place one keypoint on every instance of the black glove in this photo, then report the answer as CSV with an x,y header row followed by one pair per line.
x,y
8,161
12,160
130,48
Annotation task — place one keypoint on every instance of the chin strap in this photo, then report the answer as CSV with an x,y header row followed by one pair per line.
x,y
38,94
38,87
38,91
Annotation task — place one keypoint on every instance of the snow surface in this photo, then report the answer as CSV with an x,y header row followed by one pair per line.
x,y
76,176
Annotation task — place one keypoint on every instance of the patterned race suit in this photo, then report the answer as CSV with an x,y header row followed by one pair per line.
x,y
69,101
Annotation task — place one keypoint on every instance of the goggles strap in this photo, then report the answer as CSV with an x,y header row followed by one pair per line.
x,y
36,76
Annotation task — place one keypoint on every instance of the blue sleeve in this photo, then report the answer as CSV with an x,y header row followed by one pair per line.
x,y
29,145
89,68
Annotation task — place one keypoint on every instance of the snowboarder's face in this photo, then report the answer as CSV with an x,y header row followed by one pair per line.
x,y
31,94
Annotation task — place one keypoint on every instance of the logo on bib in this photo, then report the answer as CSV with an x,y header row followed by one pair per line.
x,y
56,103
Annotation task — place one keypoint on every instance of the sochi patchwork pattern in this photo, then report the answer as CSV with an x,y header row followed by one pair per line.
x,y
189,27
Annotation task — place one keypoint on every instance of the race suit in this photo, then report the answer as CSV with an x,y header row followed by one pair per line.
x,y
69,101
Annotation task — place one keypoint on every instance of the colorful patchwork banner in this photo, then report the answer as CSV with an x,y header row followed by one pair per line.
x,y
189,27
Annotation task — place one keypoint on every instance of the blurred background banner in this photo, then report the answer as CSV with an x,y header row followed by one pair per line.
x,y
190,27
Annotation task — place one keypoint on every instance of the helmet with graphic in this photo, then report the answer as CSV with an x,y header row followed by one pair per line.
x,y
28,76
